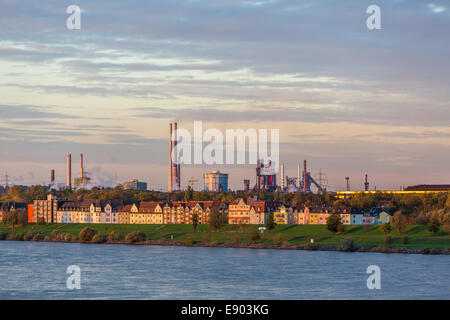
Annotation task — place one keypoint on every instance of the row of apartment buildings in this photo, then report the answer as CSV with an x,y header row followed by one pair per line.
x,y
240,211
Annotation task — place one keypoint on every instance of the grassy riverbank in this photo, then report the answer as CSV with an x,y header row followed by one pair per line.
x,y
418,235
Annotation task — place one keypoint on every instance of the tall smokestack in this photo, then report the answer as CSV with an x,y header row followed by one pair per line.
x,y
52,176
366,184
304,176
298,176
170,159
175,173
81,166
69,171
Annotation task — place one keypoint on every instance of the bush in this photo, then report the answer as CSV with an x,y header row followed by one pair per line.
x,y
347,245
86,234
434,225
426,251
14,237
405,240
40,221
55,235
133,237
99,238
388,240
29,236
188,241
67,237
341,228
37,237
255,236
47,238
386,228
114,236
3,235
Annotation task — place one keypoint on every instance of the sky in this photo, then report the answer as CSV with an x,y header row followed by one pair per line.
x,y
347,99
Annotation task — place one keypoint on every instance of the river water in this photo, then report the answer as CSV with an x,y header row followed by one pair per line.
x,y
38,270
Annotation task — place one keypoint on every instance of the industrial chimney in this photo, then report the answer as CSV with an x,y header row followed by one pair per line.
x,y
298,176
366,184
174,166
304,176
69,171
169,189
81,166
52,176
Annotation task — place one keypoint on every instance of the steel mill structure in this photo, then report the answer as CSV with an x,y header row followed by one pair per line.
x,y
302,183
174,166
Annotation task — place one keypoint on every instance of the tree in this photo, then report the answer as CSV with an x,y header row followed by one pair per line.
x,y
216,218
254,236
400,222
195,221
276,196
270,223
434,225
386,228
333,222
188,194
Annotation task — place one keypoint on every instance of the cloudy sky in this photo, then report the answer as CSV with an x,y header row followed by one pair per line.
x,y
349,100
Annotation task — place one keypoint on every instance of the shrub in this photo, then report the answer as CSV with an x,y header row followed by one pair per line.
x,y
114,236
37,237
405,240
426,251
434,225
347,245
67,237
133,237
341,228
56,236
86,234
99,238
388,240
40,221
13,237
29,236
255,236
3,235
47,238
188,241
386,228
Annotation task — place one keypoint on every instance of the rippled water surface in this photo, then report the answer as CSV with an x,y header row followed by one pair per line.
x,y
37,270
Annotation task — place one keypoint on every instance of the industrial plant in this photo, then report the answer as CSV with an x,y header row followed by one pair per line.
x,y
301,183
216,181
